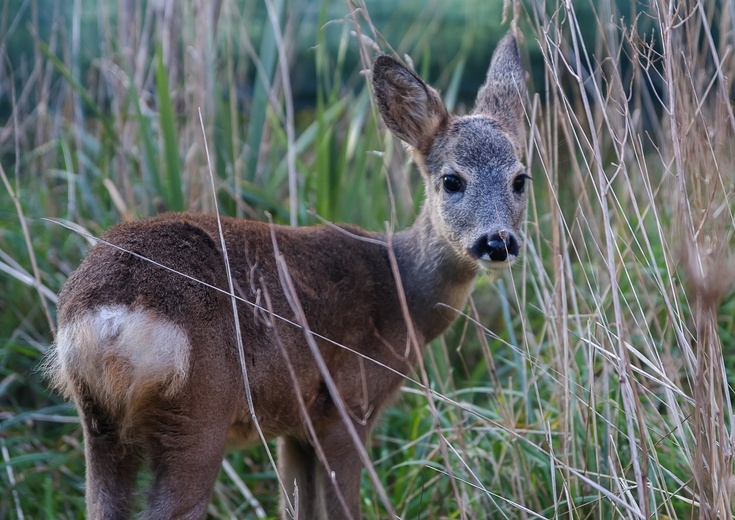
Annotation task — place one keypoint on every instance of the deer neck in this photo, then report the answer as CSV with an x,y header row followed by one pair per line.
x,y
436,281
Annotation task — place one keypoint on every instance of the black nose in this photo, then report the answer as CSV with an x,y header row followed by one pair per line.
x,y
496,247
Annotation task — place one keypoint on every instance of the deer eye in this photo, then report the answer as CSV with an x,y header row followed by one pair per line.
x,y
519,183
452,183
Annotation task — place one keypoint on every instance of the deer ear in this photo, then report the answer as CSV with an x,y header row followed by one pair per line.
x,y
502,95
412,110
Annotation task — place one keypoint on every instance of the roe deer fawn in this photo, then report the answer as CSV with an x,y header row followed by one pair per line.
x,y
151,357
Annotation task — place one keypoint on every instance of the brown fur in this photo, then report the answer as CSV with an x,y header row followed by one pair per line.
x,y
150,356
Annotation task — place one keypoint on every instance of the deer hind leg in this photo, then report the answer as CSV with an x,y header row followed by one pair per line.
x,y
185,439
112,462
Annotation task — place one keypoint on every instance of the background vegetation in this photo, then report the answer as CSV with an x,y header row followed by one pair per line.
x,y
591,381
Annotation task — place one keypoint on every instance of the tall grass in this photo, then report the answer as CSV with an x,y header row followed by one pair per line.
x,y
591,381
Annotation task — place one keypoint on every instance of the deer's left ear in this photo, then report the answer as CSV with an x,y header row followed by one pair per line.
x,y
412,110
503,94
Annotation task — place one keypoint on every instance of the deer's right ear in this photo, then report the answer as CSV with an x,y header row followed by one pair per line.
x,y
412,110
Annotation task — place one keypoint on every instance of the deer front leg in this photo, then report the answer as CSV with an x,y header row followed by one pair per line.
x,y
339,484
315,492
297,462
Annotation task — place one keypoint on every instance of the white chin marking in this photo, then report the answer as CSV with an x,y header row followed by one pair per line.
x,y
486,263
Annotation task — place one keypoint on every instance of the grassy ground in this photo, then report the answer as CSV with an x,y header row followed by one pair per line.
x,y
591,381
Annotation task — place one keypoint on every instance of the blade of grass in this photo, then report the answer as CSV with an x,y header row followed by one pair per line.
x,y
172,166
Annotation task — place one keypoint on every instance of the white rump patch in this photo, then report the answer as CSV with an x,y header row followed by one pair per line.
x,y
122,354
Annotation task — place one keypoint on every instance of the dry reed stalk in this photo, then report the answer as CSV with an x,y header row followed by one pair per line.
x,y
702,131
200,61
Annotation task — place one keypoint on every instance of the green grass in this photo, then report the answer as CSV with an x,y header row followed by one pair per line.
x,y
600,363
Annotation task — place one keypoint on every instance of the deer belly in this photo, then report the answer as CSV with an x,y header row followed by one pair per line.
x,y
241,435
